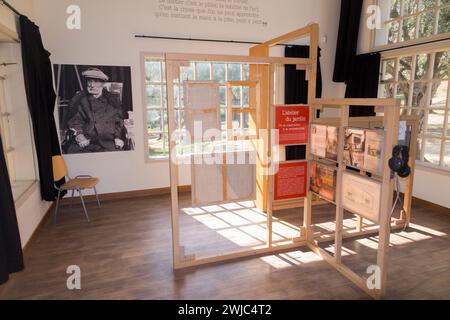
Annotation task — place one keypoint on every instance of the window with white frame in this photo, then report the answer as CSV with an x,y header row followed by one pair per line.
x,y
408,21
15,125
157,126
421,82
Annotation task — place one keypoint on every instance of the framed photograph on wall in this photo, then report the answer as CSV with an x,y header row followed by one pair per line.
x,y
95,108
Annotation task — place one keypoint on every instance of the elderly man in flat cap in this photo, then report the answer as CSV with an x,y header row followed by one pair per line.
x,y
98,122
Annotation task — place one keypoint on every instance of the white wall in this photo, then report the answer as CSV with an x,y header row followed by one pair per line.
x,y
107,38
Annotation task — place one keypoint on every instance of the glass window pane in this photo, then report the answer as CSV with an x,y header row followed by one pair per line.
x,y
387,90
236,94
441,65
245,96
153,70
219,72
409,29
164,95
388,70
405,111
246,120
393,28
432,150
246,71
203,71
223,118
427,4
403,93
422,64
180,121
426,24
421,114
154,120
234,72
181,89
223,95
410,6
157,145
395,9
187,73
419,94
176,98
435,124
439,92
447,154
163,71
405,66
154,96
236,120
444,20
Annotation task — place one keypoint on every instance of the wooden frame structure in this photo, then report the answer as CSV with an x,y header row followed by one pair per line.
x,y
390,123
262,77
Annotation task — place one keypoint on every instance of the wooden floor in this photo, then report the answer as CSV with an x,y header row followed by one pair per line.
x,y
125,253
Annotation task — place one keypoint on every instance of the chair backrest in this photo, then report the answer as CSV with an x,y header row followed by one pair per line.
x,y
59,168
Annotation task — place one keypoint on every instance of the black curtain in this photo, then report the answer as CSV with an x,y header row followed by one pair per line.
x,y
364,82
347,38
359,72
41,102
11,259
296,86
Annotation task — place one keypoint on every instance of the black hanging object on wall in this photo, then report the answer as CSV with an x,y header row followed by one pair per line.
x,y
347,41
41,102
363,82
399,161
11,258
359,72
296,86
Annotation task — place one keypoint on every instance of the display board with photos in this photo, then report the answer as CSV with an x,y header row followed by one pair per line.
x,y
364,149
361,195
324,141
323,180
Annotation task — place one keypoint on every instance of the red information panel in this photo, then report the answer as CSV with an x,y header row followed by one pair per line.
x,y
292,123
290,181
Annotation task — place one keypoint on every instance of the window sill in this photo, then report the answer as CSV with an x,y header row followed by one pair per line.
x,y
23,197
157,160
433,169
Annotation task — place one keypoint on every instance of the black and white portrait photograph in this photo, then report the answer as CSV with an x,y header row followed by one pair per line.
x,y
95,108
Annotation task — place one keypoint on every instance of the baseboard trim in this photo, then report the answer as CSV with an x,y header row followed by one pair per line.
x,y
39,226
432,205
128,194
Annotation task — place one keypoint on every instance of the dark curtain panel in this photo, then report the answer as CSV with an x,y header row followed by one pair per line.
x,y
11,259
41,102
363,83
296,86
347,38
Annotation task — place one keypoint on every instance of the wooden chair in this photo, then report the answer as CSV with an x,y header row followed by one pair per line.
x,y
79,183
